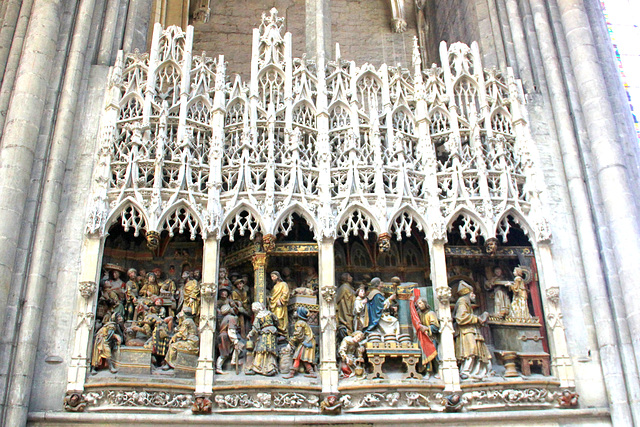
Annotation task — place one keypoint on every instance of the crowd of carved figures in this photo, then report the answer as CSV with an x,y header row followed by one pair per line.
x,y
156,310
160,312
356,154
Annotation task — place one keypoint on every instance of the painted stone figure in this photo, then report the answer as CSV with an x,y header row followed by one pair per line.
x,y
240,297
304,344
427,326
151,287
185,338
360,311
279,300
381,309
501,300
345,298
471,350
519,308
192,296
228,339
105,341
264,336
351,354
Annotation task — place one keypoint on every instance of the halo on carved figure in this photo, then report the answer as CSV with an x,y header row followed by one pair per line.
x,y
357,218
234,221
131,215
472,224
281,223
181,217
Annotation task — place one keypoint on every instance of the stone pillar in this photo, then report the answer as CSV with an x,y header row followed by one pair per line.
x,y
45,232
21,131
11,43
207,325
611,175
327,286
260,277
318,29
607,330
520,44
85,307
449,367
561,366
109,28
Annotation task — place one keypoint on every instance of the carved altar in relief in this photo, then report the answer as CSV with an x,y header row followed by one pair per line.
x,y
376,188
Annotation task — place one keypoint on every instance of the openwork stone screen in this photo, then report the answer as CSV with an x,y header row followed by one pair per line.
x,y
351,148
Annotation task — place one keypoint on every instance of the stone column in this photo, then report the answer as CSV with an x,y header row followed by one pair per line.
x,y
449,367
520,44
260,278
21,131
207,325
318,29
561,366
85,307
607,330
109,28
326,269
45,232
611,174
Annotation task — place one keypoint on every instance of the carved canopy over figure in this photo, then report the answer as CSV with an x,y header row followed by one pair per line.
x,y
278,301
471,350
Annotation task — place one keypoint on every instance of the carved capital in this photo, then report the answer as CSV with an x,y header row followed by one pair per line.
x,y
443,294
553,295
328,293
259,261
208,291
87,289
268,242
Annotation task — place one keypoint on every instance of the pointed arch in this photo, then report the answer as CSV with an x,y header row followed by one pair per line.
x,y
234,221
473,225
357,218
298,209
503,227
132,215
399,223
181,217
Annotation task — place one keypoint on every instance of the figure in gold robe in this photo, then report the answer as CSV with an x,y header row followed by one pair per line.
x,y
471,350
185,339
279,300
519,308
106,338
191,295
345,299
305,346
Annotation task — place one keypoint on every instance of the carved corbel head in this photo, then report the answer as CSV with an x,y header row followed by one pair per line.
x,y
87,289
208,291
384,242
153,240
74,402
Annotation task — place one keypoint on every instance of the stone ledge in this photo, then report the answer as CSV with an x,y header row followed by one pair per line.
x,y
553,417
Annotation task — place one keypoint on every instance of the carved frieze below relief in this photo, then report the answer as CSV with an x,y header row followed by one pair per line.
x,y
140,399
267,401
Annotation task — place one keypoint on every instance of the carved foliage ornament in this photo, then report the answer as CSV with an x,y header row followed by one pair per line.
x,y
87,289
133,398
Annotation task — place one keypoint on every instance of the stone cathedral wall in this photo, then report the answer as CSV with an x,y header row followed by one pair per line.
x,y
228,32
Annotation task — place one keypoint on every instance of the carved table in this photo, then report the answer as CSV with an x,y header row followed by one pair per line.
x,y
529,359
378,353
